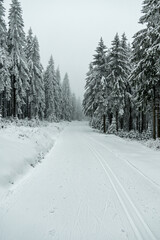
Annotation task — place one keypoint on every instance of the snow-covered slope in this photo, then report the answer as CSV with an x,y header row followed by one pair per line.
x,y
89,186
22,147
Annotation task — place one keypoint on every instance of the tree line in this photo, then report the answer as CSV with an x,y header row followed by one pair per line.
x,y
122,89
26,89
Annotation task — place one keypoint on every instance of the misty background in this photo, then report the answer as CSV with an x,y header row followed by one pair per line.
x,y
70,30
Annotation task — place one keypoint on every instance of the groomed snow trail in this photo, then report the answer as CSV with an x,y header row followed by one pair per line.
x,y
89,187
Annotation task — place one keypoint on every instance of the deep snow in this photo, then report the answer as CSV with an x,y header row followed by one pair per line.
x,y
22,147
89,186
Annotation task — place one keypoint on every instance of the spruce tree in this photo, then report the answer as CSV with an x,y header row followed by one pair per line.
x,y
74,107
38,81
19,68
89,105
59,94
66,99
79,112
145,75
31,91
49,78
99,63
94,98
5,82
126,116
117,77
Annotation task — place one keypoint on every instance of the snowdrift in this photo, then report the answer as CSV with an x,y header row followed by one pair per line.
x,y
23,145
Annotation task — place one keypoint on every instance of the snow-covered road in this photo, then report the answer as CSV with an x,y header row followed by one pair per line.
x,y
89,187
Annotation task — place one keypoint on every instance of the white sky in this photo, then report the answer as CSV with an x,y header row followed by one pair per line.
x,y
71,29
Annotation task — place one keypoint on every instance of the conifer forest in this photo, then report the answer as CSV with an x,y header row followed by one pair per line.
x,y
80,120
122,92
27,90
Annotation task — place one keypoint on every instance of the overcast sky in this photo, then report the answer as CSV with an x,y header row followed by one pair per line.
x,y
71,29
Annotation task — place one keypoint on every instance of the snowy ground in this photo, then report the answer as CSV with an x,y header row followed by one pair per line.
x,y
22,147
89,187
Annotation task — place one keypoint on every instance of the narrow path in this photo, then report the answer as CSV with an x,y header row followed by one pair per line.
x,y
83,191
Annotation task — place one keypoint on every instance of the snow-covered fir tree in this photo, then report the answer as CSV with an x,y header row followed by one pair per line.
x,y
35,99
79,112
94,103
49,81
99,64
145,75
38,103
118,74
66,99
89,105
19,68
5,82
74,107
126,121
31,92
59,94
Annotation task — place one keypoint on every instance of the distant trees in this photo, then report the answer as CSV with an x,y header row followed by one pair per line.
x,y
66,99
26,90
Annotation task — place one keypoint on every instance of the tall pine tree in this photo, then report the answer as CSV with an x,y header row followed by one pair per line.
x,y
118,73
145,75
49,79
19,68
66,99
5,82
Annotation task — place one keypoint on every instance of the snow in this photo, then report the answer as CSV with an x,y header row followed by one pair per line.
x,y
89,186
22,147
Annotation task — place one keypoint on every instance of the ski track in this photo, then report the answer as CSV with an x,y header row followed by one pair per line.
x,y
81,197
136,221
128,163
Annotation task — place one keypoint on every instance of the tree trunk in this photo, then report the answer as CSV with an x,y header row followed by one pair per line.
x,y
154,114
14,110
130,119
104,123
1,105
117,119
5,105
158,120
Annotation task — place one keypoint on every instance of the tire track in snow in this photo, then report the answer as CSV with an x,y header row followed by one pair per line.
x,y
139,226
128,163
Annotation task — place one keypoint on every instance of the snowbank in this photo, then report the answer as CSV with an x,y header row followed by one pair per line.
x,y
23,145
155,144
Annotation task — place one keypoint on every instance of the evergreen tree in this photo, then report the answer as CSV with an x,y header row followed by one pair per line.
x,y
31,91
99,63
57,90
49,79
66,99
145,75
117,76
5,83
79,113
19,69
126,116
74,107
59,94
89,104
38,81
94,103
